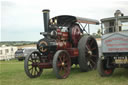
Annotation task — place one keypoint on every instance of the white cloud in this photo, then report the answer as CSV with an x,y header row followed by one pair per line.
x,y
24,16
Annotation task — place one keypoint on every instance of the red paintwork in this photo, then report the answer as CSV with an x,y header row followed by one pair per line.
x,y
73,52
64,36
45,65
76,34
116,38
108,71
59,34
117,49
67,46
61,45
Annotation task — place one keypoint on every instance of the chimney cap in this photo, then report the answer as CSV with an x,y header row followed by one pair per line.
x,y
46,10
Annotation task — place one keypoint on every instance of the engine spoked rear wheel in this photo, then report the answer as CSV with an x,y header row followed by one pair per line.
x,y
91,53
61,64
88,53
31,65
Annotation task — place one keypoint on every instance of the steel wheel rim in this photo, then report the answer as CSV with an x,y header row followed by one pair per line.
x,y
108,71
63,65
91,53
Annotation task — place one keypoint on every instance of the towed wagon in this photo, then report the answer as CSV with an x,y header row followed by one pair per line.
x,y
114,44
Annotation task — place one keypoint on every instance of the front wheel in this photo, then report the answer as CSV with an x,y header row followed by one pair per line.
x,y
31,66
61,64
102,68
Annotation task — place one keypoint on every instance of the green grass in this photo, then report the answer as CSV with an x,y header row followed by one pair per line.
x,y
12,73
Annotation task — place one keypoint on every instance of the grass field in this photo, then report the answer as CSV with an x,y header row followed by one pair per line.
x,y
12,73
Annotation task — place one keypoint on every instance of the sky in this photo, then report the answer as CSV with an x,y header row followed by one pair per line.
x,y
22,20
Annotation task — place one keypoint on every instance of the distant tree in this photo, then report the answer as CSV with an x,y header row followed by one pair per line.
x,y
99,32
96,35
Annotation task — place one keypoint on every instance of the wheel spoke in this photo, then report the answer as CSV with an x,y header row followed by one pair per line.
x,y
31,57
60,58
91,66
94,55
32,71
30,60
59,64
65,64
91,43
36,70
65,69
66,59
35,60
30,65
93,62
61,69
87,46
93,48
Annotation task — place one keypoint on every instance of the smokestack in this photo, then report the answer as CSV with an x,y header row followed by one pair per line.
x,y
46,19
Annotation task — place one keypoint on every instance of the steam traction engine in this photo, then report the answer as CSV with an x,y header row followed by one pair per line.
x,y
114,44
63,45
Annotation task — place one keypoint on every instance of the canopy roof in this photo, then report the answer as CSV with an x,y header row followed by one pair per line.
x,y
122,18
68,19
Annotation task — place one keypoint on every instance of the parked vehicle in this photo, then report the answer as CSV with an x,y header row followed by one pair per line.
x,y
64,44
114,44
20,54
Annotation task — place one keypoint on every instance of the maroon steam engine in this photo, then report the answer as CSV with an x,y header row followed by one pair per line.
x,y
63,45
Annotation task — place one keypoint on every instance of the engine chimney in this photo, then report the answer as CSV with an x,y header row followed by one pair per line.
x,y
46,19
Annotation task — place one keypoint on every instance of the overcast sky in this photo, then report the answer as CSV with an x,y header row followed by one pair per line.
x,y
21,20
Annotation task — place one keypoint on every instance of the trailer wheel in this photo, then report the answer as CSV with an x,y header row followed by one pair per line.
x,y
102,68
88,53
61,64
31,67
